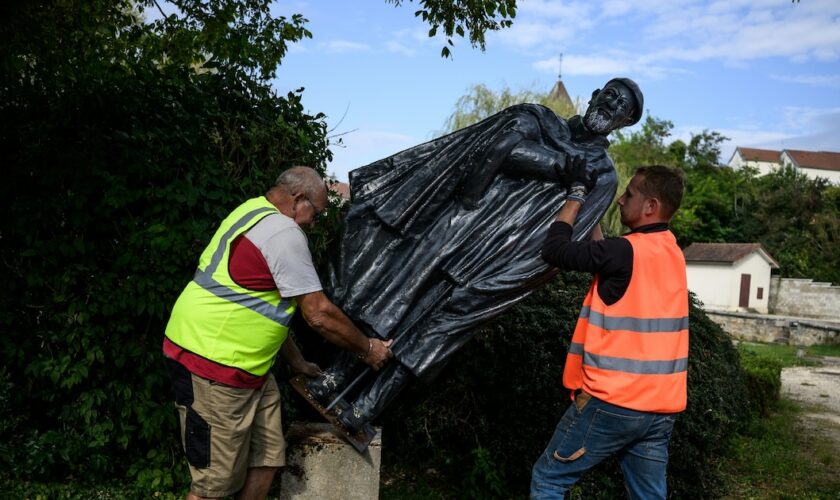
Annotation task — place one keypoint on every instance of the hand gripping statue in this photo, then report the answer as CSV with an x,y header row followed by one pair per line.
x,y
443,237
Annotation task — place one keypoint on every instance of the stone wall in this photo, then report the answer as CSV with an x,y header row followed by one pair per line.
x,y
804,297
776,329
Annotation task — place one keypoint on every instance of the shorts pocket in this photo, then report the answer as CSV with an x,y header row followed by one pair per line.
x,y
197,440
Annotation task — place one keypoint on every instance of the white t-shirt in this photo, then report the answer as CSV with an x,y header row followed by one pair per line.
x,y
286,250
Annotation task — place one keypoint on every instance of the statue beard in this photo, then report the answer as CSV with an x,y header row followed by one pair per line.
x,y
597,123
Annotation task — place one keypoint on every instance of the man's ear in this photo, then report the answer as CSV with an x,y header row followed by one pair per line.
x,y
652,206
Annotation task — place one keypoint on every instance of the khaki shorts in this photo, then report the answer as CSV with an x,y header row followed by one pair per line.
x,y
226,430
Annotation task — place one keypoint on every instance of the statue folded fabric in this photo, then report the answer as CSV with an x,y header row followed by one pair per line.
x,y
443,237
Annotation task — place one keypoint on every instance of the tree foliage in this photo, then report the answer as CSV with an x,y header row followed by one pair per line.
x,y
481,102
124,143
464,18
795,217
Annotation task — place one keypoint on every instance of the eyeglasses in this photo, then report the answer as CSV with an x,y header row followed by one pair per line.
x,y
318,214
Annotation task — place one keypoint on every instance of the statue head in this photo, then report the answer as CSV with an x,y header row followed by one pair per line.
x,y
619,104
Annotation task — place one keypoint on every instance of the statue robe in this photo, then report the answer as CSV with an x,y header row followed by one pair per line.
x,y
443,237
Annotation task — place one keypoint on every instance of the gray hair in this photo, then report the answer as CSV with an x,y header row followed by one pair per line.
x,y
302,180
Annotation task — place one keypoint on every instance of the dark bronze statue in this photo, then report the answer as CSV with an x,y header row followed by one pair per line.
x,y
442,237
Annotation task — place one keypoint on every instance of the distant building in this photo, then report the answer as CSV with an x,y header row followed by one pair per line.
x,y
559,93
814,164
340,189
730,276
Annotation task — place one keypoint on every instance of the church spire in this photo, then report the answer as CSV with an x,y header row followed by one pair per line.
x,y
560,68
559,91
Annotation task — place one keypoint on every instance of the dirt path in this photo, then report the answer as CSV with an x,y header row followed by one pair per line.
x,y
817,388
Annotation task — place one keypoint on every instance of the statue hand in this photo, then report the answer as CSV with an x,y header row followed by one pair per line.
x,y
580,181
576,173
379,354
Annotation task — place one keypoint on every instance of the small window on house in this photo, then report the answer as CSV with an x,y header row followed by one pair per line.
x,y
760,294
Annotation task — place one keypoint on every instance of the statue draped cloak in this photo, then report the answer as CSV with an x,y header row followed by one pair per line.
x,y
443,237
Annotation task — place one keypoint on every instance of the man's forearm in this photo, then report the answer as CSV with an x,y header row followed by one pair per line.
x,y
336,327
568,213
331,322
291,354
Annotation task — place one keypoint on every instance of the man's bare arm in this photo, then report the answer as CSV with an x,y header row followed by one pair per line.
x,y
291,355
331,322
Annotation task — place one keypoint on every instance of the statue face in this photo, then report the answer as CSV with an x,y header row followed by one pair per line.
x,y
610,109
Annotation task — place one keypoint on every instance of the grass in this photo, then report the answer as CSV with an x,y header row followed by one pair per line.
x,y
786,354
778,457
825,350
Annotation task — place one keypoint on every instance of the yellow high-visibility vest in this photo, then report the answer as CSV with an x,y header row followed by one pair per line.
x,y
221,321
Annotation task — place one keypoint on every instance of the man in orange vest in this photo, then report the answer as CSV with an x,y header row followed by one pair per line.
x,y
627,363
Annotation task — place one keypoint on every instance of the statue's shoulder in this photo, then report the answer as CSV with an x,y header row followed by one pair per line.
x,y
529,107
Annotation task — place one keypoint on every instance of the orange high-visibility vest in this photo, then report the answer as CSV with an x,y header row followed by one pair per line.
x,y
634,353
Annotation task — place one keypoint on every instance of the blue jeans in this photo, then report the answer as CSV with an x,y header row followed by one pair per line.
x,y
592,430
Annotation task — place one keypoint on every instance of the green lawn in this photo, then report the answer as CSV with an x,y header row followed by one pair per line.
x,y
825,350
787,354
778,458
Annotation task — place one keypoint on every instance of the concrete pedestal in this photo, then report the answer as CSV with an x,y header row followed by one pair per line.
x,y
322,466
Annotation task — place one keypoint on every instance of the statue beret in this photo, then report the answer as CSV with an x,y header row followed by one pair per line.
x,y
637,93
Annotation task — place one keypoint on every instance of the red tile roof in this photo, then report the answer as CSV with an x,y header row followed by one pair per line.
x,y
342,189
754,154
725,252
823,160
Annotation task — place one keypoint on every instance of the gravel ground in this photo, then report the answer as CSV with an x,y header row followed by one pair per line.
x,y
818,388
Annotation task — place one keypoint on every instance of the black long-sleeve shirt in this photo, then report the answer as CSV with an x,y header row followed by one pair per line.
x,y
610,258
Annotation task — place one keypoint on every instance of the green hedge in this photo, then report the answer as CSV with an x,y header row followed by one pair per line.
x,y
763,379
117,170
485,421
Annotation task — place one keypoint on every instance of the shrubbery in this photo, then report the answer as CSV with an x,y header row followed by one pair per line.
x,y
120,160
492,411
763,378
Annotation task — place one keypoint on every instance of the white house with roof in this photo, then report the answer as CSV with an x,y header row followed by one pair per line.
x,y
814,164
730,276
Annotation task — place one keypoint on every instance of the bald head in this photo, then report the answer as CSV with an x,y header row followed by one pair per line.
x,y
304,180
299,193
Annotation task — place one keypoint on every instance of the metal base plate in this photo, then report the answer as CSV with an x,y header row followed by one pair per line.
x,y
360,440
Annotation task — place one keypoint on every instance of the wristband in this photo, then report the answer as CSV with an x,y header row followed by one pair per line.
x,y
577,192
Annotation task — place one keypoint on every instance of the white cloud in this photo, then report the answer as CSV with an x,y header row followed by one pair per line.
x,y
609,65
343,46
399,48
814,80
810,129
665,32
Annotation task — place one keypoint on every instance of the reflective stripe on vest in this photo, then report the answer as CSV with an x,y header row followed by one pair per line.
x,y
634,353
629,365
205,280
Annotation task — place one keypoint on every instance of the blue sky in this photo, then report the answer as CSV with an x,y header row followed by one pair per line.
x,y
765,73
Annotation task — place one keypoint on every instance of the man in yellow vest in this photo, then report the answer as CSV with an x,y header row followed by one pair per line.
x,y
228,325
627,363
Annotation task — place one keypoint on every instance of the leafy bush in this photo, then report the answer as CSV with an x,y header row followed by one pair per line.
x,y
502,394
121,156
763,379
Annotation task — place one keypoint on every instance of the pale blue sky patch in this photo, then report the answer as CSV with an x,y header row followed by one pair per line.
x,y
763,72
